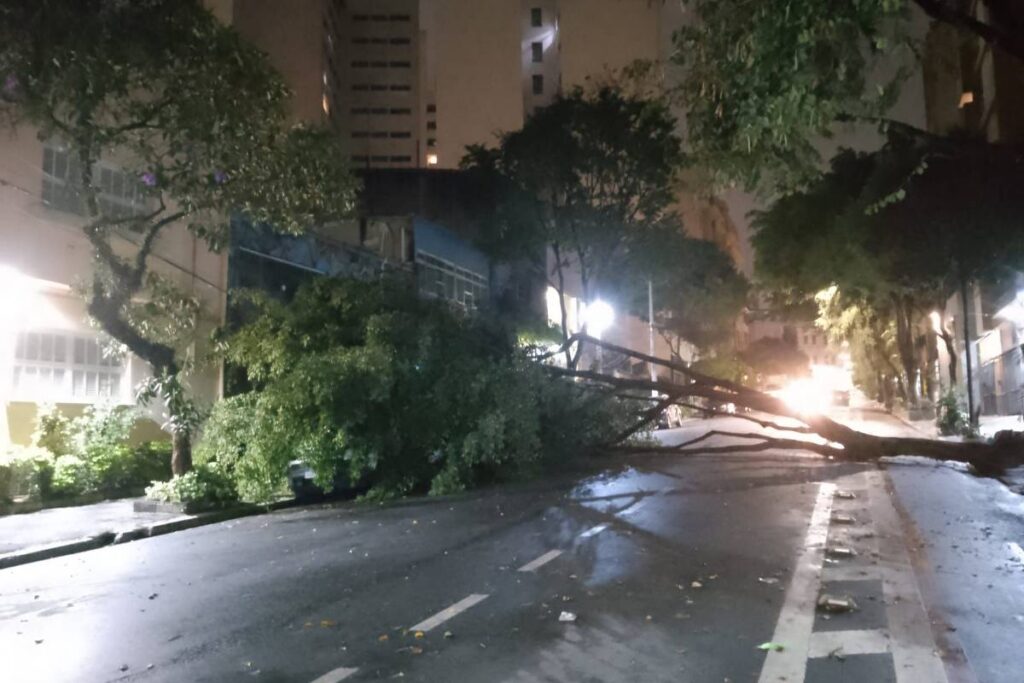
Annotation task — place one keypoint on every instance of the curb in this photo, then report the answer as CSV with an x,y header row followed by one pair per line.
x,y
80,545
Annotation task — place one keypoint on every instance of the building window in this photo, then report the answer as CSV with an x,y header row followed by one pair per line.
x,y
402,159
401,134
431,142
360,134
400,88
400,41
536,17
54,366
379,158
401,65
431,108
538,51
380,17
120,192
431,159
431,125
538,84
401,110
378,134
400,17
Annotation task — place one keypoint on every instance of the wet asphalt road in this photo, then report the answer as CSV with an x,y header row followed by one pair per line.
x,y
660,558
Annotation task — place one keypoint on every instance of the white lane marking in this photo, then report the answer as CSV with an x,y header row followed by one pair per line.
x,y
336,675
797,616
1016,551
449,612
594,531
914,653
540,561
863,642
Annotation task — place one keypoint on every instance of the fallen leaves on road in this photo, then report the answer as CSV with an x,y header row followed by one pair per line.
x,y
418,635
771,647
327,623
383,638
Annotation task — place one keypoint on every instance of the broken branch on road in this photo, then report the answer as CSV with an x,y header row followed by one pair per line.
x,y
988,458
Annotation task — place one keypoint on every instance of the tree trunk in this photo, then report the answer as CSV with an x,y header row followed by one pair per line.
x,y
181,452
561,304
841,442
905,345
950,343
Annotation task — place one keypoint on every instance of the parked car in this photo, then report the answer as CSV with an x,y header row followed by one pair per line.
x,y
301,480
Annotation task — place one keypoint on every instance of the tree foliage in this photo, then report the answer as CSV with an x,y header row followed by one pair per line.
x,y
584,177
764,82
196,117
366,380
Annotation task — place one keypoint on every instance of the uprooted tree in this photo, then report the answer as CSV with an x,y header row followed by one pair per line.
x,y
159,106
808,431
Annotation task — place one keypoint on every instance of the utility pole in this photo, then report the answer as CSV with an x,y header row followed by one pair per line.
x,y
650,330
967,354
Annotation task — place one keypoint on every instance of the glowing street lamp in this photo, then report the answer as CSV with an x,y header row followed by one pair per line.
x,y
599,316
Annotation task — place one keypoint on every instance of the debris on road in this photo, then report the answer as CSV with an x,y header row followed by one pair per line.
x,y
843,519
383,638
771,647
770,580
846,495
832,603
696,584
568,617
449,635
418,634
841,551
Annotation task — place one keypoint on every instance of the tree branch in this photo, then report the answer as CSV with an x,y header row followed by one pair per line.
x,y
993,35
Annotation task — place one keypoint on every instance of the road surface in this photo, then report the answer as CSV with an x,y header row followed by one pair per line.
x,y
654,568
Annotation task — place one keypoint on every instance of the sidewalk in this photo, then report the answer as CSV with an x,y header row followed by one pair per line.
x,y
54,532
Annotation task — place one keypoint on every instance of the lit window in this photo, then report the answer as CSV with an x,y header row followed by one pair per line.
x,y
538,51
538,84
536,17
431,160
55,366
967,97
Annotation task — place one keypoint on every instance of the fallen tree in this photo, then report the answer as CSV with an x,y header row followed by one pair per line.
x,y
812,432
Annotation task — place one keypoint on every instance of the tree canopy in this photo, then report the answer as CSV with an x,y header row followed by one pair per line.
x,y
764,82
196,117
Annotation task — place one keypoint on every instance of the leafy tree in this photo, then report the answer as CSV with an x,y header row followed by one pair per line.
x,y
198,117
698,294
898,231
586,175
763,82
366,380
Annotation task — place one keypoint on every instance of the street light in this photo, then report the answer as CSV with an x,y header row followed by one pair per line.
x,y
599,316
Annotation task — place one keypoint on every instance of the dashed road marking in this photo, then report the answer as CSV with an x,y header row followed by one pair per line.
x,y
336,675
861,642
540,561
449,612
797,617
594,531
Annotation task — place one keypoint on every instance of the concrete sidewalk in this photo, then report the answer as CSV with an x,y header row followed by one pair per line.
x,y
54,532
54,525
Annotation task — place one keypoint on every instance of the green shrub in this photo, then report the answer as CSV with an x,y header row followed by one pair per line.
x,y
950,418
205,485
91,454
72,476
366,380
53,431
29,472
